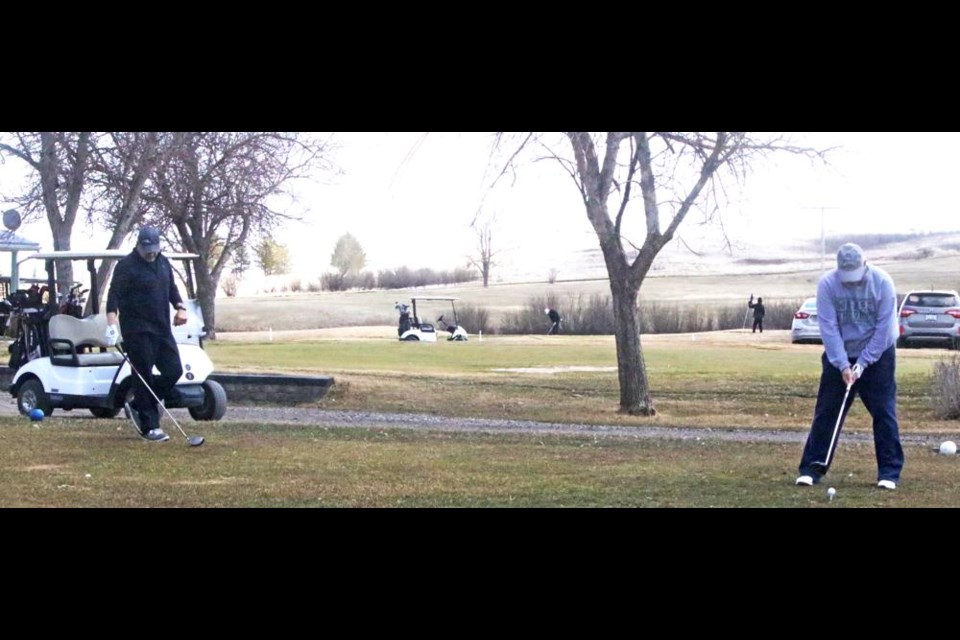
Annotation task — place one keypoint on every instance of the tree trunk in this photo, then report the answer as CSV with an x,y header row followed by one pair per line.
x,y
634,388
206,292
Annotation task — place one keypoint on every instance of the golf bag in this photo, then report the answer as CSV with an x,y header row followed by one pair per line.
x,y
73,302
29,327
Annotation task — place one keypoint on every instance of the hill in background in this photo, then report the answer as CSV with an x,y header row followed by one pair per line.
x,y
784,274
743,258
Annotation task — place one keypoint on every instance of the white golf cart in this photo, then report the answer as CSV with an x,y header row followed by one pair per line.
x,y
63,362
411,329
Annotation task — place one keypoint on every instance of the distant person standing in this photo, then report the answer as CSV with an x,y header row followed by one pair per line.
x,y
555,320
758,312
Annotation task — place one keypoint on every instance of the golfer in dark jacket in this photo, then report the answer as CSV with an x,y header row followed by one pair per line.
x,y
758,312
142,290
555,319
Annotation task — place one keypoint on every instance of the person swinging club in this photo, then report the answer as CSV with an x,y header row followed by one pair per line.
x,y
555,320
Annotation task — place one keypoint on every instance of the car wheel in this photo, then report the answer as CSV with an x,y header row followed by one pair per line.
x,y
214,402
901,343
32,396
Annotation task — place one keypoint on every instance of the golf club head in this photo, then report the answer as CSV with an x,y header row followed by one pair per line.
x,y
820,468
195,441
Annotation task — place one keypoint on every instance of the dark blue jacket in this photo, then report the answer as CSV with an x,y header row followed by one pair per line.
x,y
142,292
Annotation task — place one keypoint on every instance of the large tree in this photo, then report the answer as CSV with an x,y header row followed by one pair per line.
x,y
214,192
101,174
210,193
60,163
121,167
662,176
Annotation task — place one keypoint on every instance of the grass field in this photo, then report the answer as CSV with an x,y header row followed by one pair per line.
x,y
732,379
82,464
728,380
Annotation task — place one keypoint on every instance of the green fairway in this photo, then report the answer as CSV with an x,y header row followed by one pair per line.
x,y
89,463
724,381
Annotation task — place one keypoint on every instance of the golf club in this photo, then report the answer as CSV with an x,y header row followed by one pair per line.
x,y
823,466
194,441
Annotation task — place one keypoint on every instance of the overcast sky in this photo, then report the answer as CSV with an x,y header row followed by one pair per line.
x,y
409,199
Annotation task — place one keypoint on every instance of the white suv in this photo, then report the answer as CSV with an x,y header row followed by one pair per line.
x,y
930,317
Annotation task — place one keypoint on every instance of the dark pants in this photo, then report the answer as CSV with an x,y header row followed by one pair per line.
x,y
554,329
145,351
877,388
758,322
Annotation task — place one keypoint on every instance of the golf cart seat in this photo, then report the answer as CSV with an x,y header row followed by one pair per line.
x,y
73,342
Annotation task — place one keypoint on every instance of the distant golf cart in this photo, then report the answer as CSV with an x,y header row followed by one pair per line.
x,y
63,362
411,329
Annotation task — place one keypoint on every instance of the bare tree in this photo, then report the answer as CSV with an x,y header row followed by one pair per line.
x,y
483,261
102,173
121,168
674,173
209,192
60,162
214,191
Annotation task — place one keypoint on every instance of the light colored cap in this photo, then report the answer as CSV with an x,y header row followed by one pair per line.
x,y
850,263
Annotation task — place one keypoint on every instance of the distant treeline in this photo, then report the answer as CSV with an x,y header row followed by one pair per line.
x,y
400,278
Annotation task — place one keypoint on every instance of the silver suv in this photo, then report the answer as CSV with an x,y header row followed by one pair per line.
x,y
930,317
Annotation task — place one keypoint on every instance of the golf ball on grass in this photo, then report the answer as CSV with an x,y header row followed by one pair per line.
x,y
831,492
36,415
948,448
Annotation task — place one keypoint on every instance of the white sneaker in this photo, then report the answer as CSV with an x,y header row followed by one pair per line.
x,y
156,435
805,481
887,484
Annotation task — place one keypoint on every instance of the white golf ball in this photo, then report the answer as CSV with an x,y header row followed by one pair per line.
x,y
948,447
831,492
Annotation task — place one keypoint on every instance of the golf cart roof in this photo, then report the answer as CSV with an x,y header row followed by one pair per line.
x,y
433,298
108,253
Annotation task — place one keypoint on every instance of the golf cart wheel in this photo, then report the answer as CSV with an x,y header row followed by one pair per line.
x,y
214,402
104,412
411,339
32,396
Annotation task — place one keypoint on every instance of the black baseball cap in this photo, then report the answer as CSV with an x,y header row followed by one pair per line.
x,y
149,240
